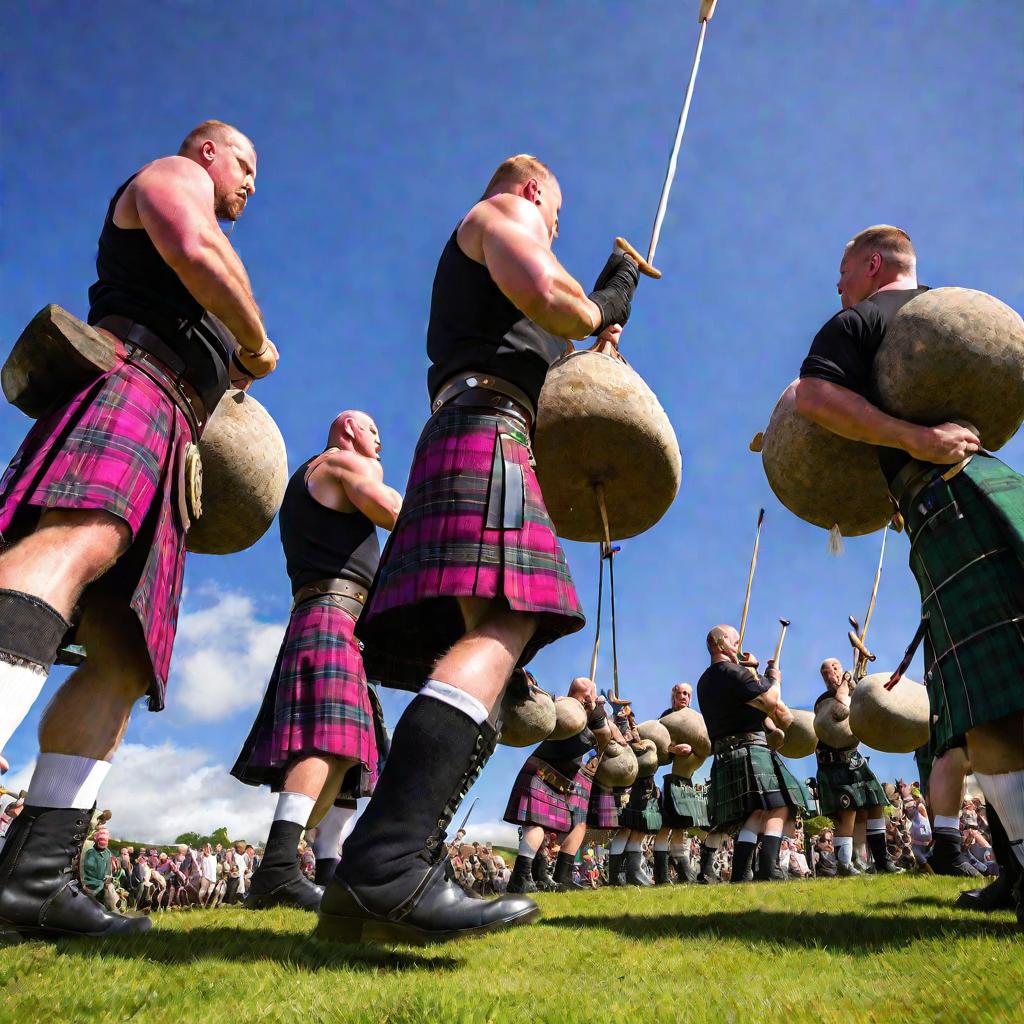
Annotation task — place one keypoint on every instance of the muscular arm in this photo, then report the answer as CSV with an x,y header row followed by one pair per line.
x,y
770,702
174,201
508,235
852,416
361,481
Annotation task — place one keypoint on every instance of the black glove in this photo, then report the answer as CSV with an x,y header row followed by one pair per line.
x,y
613,290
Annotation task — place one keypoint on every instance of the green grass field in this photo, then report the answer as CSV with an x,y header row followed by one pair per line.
x,y
888,950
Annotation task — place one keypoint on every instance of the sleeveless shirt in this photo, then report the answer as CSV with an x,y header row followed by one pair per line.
x,y
322,543
473,326
134,281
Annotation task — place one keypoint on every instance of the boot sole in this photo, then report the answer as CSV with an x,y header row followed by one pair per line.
x,y
12,935
334,928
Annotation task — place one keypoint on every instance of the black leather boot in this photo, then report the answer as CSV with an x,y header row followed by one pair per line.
x,y
325,868
634,869
614,868
661,868
562,877
706,875
742,857
768,869
522,880
391,884
880,855
948,856
40,892
544,876
278,882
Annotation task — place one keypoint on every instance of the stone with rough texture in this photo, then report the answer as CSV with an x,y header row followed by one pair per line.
x,y
801,738
687,726
599,423
245,473
832,724
647,760
617,767
527,717
894,721
686,766
570,718
656,732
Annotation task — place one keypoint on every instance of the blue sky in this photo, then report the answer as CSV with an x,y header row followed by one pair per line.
x,y
378,124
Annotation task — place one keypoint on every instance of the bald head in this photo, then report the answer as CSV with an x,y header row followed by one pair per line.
x,y
219,132
881,256
582,689
722,635
355,431
832,673
229,158
530,179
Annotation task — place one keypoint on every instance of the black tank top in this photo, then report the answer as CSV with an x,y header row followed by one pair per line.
x,y
135,282
473,326
321,543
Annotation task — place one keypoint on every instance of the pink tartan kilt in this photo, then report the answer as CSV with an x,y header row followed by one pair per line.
x,y
441,549
116,446
603,807
533,802
317,702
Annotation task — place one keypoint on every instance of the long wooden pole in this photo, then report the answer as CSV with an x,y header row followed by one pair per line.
x,y
750,579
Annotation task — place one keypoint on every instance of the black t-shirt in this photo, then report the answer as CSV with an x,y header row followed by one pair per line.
x,y
566,756
843,352
723,692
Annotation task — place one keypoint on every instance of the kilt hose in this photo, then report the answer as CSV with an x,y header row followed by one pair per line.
x,y
535,800
848,786
605,805
643,812
681,805
118,446
318,702
751,778
473,524
967,555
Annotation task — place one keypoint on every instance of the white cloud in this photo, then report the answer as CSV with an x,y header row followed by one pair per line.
x,y
500,833
223,656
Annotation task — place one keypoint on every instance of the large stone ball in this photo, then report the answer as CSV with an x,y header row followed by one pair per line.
x,y
570,718
821,477
686,766
801,738
599,423
617,767
894,721
832,724
654,731
646,758
527,718
245,473
687,726
954,354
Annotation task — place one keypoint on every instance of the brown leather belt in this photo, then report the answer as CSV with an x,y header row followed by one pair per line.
x,y
556,780
351,596
740,739
851,756
139,343
484,390
915,476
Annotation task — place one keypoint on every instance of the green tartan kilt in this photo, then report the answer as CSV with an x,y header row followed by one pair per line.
x,y
751,778
967,554
643,812
681,805
845,788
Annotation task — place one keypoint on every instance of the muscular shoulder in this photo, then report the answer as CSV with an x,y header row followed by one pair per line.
x,y
502,215
163,184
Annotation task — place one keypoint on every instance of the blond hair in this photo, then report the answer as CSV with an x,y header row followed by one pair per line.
x,y
891,243
516,170
211,129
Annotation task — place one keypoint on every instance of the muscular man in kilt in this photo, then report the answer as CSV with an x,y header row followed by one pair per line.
x,y
964,516
473,581
551,794
682,807
92,510
848,790
608,803
751,786
316,735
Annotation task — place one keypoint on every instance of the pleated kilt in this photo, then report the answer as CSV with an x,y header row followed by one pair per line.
x,y
681,805
534,801
849,786
317,702
643,812
117,446
605,806
967,554
751,778
471,468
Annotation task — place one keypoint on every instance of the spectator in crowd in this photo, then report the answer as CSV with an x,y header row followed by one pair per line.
x,y
920,829
826,863
96,863
207,875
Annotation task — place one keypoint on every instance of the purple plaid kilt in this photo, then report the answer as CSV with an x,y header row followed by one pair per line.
x,y
317,702
117,446
579,802
603,807
441,549
533,802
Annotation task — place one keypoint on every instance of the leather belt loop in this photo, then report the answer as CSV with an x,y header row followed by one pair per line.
x,y
331,587
474,381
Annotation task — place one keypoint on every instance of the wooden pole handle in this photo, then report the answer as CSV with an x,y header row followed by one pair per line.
x,y
631,252
707,10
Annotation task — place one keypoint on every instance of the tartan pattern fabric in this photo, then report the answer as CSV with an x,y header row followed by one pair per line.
x,y
603,806
967,554
643,812
681,805
440,550
317,702
533,802
842,787
751,778
116,446
579,801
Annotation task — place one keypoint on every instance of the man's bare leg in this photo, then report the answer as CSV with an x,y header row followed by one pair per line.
x,y
945,796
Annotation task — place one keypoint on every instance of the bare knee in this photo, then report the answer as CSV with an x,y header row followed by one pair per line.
x,y
997,747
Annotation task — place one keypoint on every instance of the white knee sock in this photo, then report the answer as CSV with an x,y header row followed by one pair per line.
x,y
844,848
661,845
617,845
465,702
942,821
526,850
876,825
680,851
634,846
330,832
19,687
746,836
1005,792
66,780
713,840
294,807
775,831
